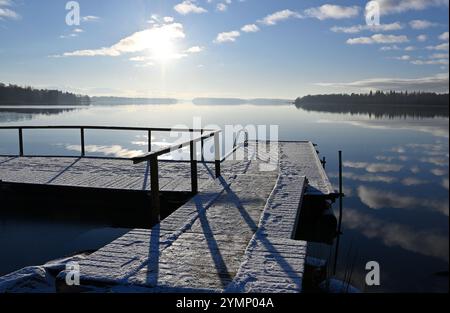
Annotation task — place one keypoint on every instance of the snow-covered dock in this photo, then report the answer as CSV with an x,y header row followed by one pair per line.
x,y
235,235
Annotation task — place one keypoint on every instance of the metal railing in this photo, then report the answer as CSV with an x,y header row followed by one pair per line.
x,y
82,130
151,156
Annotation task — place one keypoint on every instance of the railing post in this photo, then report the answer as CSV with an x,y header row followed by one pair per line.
x,y
202,146
217,153
154,189
21,142
83,150
194,179
149,141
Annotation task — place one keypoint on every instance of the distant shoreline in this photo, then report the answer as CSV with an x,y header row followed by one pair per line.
x,y
378,98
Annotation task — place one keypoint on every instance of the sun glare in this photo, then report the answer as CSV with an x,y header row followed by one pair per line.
x,y
160,44
162,50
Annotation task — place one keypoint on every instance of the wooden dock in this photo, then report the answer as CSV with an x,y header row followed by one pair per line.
x,y
235,235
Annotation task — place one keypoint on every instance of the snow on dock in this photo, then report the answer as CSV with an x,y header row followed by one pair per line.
x,y
235,235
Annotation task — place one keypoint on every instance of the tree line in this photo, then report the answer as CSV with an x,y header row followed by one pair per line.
x,y
377,98
17,95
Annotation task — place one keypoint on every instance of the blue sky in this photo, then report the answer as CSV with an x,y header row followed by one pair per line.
x,y
224,48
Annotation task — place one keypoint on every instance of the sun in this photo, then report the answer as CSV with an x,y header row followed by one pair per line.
x,y
161,46
163,50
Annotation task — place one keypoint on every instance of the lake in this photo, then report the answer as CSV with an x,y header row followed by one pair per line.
x,y
396,179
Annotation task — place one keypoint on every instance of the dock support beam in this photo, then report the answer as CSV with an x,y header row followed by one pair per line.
x,y
21,142
217,154
83,150
154,188
194,178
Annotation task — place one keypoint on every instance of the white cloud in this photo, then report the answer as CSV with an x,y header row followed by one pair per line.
x,y
439,56
90,18
279,16
227,37
168,19
441,47
377,39
422,38
222,7
403,58
330,11
188,7
195,49
374,28
7,13
250,28
438,82
444,36
421,24
390,48
430,62
150,40
399,6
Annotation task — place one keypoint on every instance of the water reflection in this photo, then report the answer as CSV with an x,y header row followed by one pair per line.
x,y
14,114
374,167
381,111
436,127
378,199
108,151
426,242
395,180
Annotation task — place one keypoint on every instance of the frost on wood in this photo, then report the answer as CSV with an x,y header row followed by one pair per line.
x,y
234,236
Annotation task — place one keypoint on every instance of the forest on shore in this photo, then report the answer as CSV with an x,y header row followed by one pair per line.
x,y
17,95
379,104
377,98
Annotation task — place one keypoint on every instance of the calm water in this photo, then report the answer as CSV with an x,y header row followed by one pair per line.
x,y
396,181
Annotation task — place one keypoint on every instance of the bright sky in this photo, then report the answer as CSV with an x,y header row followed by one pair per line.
x,y
224,48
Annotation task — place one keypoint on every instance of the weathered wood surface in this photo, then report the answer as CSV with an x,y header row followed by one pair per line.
x,y
297,157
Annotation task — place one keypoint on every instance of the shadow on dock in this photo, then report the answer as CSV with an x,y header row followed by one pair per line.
x,y
113,208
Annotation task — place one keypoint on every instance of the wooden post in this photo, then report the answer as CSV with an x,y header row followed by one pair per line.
x,y
217,153
21,142
149,141
194,178
154,185
83,151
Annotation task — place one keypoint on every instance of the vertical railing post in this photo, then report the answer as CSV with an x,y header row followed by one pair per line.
x,y
83,150
217,154
154,190
21,142
149,141
194,179
202,142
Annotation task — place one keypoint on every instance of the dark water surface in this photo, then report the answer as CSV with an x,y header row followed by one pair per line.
x,y
396,181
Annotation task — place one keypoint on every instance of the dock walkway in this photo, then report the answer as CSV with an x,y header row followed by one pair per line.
x,y
235,235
